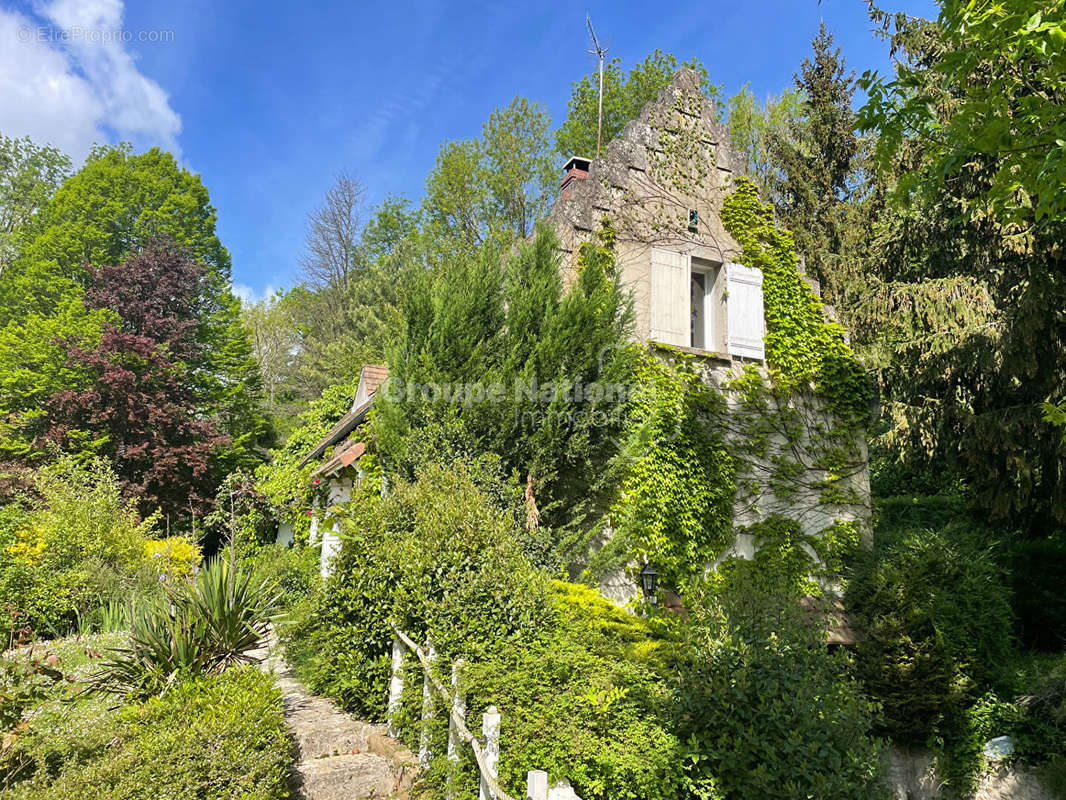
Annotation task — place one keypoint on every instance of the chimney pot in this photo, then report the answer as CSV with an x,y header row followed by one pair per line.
x,y
576,169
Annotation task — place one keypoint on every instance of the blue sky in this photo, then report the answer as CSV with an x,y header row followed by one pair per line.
x,y
269,100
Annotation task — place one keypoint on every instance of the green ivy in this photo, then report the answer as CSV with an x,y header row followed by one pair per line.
x,y
675,504
804,351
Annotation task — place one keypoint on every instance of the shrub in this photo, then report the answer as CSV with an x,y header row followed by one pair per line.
x,y
936,613
175,556
201,627
75,547
586,701
292,571
211,737
765,711
436,556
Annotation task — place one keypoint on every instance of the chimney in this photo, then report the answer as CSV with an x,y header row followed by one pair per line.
x,y
576,169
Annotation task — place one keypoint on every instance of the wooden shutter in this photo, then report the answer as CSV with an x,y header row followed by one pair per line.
x,y
744,311
670,303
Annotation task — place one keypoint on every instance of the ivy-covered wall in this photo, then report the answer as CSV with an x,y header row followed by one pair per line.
x,y
723,457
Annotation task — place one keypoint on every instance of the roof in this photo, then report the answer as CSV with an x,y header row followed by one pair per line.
x,y
371,376
339,432
345,455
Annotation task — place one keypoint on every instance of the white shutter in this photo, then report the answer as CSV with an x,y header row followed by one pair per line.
x,y
670,302
744,311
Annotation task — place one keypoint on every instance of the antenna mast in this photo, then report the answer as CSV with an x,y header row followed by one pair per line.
x,y
599,52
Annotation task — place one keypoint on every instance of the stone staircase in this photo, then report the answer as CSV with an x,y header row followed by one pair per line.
x,y
338,757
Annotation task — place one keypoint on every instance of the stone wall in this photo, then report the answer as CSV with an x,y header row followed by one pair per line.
x,y
911,775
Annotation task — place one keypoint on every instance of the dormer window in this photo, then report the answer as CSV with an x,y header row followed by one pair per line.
x,y
706,305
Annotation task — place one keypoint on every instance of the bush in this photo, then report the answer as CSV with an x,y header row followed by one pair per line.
x,y
436,556
202,626
292,571
935,609
765,711
73,549
586,701
210,738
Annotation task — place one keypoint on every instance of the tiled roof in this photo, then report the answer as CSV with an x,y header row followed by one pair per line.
x,y
370,378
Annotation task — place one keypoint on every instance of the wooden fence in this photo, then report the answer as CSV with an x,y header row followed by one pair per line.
x,y
486,752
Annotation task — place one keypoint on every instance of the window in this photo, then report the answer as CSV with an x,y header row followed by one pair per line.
x,y
706,305
705,330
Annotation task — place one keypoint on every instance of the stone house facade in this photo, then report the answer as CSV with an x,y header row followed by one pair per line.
x,y
662,184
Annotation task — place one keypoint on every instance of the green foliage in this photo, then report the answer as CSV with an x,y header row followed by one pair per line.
x,y
991,92
817,160
956,271
212,737
765,711
804,351
26,678
29,174
623,98
111,209
292,571
935,609
675,501
284,481
755,130
498,185
435,556
586,701
501,358
202,626
74,547
788,562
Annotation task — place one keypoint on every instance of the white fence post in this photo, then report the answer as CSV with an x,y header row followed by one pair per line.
x,y
425,750
396,684
458,710
536,785
490,729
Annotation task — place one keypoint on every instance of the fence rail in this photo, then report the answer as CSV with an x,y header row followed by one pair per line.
x,y
487,754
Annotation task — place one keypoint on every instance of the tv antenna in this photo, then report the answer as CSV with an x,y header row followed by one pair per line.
x,y
599,52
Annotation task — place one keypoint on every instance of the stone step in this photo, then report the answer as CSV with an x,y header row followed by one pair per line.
x,y
348,777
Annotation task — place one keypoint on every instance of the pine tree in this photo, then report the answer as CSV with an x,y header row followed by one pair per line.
x,y
816,158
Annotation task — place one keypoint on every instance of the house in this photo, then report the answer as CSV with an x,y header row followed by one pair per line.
x,y
339,452
662,184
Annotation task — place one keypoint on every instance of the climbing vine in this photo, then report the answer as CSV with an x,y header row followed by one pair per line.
x,y
804,351
675,498
784,438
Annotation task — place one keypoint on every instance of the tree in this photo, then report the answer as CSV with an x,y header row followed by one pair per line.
x,y
815,158
112,208
753,129
142,406
623,98
964,278
484,322
332,239
29,174
495,186
986,86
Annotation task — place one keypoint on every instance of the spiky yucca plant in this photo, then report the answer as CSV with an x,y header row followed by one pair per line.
x,y
201,626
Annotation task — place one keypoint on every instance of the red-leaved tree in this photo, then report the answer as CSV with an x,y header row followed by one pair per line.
x,y
141,406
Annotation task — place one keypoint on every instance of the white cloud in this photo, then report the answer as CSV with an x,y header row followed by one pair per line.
x,y
74,90
248,295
